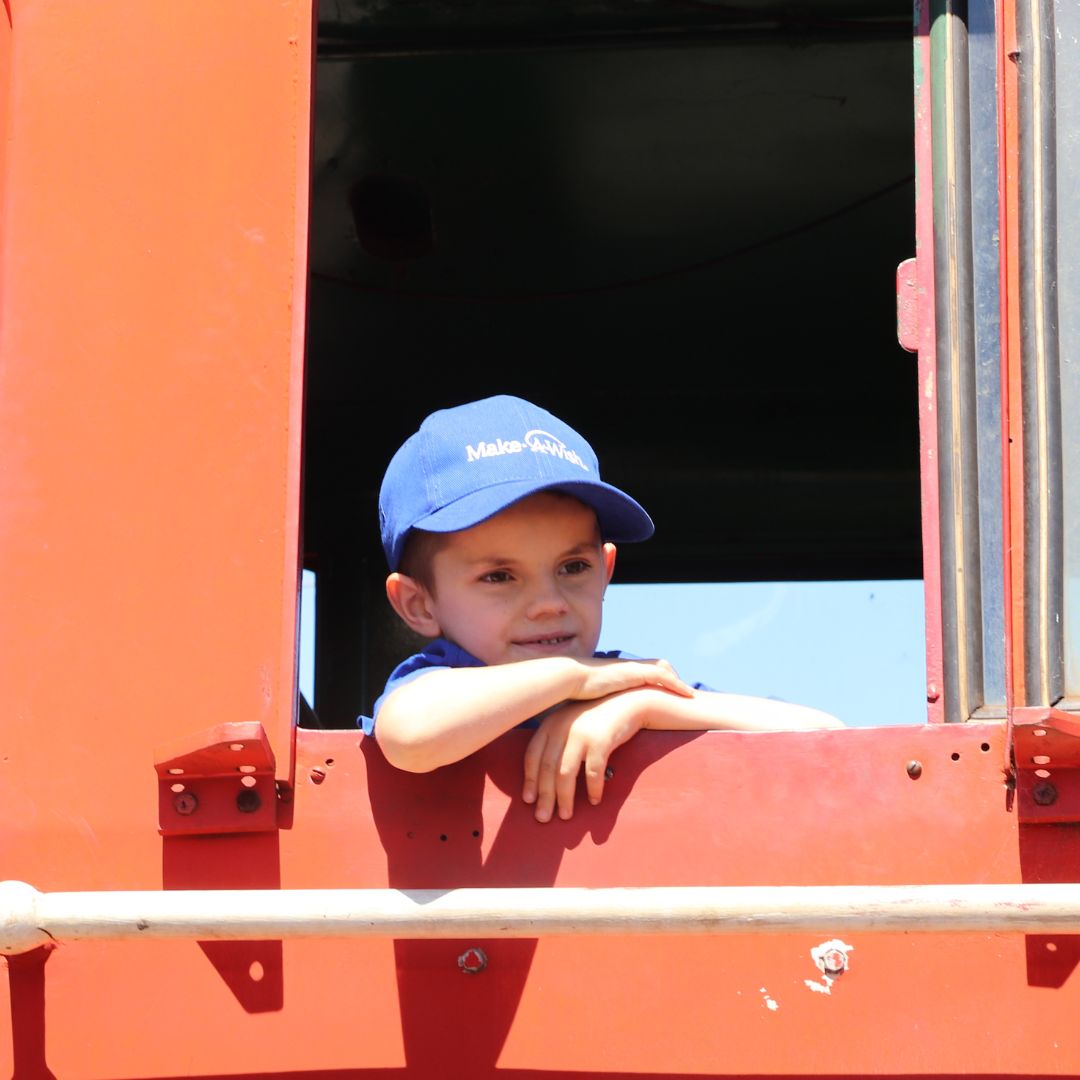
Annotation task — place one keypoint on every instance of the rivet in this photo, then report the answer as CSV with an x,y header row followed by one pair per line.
x,y
185,803
914,769
472,961
318,776
1044,794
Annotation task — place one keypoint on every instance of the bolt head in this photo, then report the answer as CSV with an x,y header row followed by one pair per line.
x,y
1044,794
914,769
472,961
835,962
185,803
248,801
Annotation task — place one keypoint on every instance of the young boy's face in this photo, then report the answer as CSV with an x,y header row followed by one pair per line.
x,y
528,582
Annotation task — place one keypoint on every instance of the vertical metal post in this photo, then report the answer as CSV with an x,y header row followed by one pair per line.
x,y
956,366
1042,478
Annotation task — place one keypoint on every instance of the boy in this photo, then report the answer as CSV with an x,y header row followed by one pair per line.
x,y
500,537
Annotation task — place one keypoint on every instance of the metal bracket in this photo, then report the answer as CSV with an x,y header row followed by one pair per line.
x,y
1046,750
907,305
221,781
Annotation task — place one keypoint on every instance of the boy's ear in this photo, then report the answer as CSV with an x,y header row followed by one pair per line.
x,y
412,602
608,552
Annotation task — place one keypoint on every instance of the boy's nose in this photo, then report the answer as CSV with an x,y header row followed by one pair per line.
x,y
546,600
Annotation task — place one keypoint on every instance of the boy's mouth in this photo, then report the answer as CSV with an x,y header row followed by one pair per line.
x,y
548,641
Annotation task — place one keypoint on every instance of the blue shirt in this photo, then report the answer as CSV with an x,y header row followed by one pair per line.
x,y
441,653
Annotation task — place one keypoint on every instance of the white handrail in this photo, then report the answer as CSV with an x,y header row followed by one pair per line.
x,y
29,918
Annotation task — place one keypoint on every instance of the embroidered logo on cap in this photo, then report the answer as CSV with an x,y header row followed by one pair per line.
x,y
536,440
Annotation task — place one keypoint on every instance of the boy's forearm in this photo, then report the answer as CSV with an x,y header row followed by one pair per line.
x,y
709,710
444,716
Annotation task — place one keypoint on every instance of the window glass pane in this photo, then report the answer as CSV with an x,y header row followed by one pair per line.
x,y
853,648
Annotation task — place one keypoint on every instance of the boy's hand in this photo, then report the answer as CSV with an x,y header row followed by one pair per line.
x,y
575,734
600,677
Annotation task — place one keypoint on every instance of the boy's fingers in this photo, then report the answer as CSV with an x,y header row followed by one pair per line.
x,y
547,779
675,684
533,753
566,780
595,768
669,679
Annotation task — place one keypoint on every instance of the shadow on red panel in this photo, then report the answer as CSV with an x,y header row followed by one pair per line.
x,y
455,1022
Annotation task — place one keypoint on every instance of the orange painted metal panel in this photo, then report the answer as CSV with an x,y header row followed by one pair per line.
x,y
152,283
151,326
817,808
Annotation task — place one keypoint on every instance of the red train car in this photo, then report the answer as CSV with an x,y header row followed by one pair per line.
x,y
245,247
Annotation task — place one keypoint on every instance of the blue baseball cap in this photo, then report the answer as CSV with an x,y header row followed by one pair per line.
x,y
467,463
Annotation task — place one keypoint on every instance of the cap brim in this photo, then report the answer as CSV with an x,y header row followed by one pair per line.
x,y
620,517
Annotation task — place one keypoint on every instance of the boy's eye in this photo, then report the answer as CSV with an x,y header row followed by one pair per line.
x,y
496,577
576,566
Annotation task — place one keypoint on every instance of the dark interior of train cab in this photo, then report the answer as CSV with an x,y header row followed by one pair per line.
x,y
674,224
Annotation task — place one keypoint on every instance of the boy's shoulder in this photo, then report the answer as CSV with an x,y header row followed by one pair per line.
x,y
438,653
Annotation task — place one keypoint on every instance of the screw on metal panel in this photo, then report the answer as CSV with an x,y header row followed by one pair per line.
x,y
318,776
472,961
609,772
834,962
248,801
1044,794
914,769
185,803
932,693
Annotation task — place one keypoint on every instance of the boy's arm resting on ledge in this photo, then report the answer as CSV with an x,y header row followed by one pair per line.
x,y
448,713
584,733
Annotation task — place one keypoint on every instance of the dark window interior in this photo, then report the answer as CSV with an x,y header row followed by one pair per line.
x,y
674,224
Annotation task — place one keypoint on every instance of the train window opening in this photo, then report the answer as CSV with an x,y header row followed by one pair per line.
x,y
766,639
682,239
